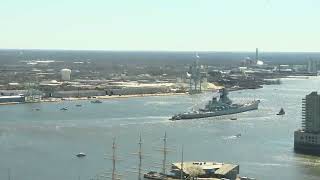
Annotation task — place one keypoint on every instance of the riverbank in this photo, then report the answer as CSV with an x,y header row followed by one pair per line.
x,y
110,97
107,97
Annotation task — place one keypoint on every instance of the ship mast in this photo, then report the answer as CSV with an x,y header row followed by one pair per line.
x,y
9,174
114,159
181,169
140,158
165,150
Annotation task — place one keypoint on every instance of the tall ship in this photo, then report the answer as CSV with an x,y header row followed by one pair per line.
x,y
218,107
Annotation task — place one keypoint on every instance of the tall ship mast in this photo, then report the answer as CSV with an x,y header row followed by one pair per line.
x,y
163,174
114,159
165,150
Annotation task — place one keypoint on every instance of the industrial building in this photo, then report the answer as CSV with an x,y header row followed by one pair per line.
x,y
12,99
313,66
109,92
81,93
197,75
307,139
12,92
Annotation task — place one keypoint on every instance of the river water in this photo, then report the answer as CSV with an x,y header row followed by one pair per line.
x,y
38,145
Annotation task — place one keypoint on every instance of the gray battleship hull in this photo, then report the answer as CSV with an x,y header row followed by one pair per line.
x,y
205,114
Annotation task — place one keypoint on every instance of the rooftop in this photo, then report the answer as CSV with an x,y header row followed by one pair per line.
x,y
6,97
219,168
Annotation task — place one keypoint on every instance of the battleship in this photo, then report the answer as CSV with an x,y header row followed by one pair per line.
x,y
218,107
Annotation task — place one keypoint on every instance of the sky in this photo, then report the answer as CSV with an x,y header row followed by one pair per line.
x,y
161,25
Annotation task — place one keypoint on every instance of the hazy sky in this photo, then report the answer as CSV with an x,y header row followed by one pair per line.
x,y
196,25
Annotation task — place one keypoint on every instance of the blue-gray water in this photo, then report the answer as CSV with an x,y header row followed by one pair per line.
x,y
38,145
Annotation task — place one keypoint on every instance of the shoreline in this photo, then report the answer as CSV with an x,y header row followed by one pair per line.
x,y
93,98
108,97
45,100
115,96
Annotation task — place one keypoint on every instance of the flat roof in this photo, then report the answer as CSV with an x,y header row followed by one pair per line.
x,y
224,169
5,97
220,168
203,165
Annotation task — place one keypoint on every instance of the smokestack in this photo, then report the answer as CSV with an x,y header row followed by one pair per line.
x,y
257,54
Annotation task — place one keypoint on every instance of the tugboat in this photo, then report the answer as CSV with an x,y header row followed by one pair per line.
x,y
218,107
281,112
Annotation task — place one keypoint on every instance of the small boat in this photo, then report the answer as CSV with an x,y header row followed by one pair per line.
x,y
96,101
233,118
281,112
78,105
79,155
64,109
154,175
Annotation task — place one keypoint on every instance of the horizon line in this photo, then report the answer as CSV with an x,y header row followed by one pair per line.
x,y
139,50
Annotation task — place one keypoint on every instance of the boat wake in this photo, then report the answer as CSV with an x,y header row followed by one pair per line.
x,y
232,137
267,164
145,123
160,103
300,159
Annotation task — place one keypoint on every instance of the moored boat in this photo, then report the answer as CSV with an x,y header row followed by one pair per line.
x,y
96,101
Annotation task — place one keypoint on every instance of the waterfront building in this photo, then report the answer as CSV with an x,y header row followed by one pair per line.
x,y
307,139
207,170
12,99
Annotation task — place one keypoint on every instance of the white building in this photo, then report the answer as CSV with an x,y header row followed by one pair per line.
x,y
65,74
311,113
307,139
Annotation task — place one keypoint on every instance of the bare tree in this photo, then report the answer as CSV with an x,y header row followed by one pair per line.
x,y
195,171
